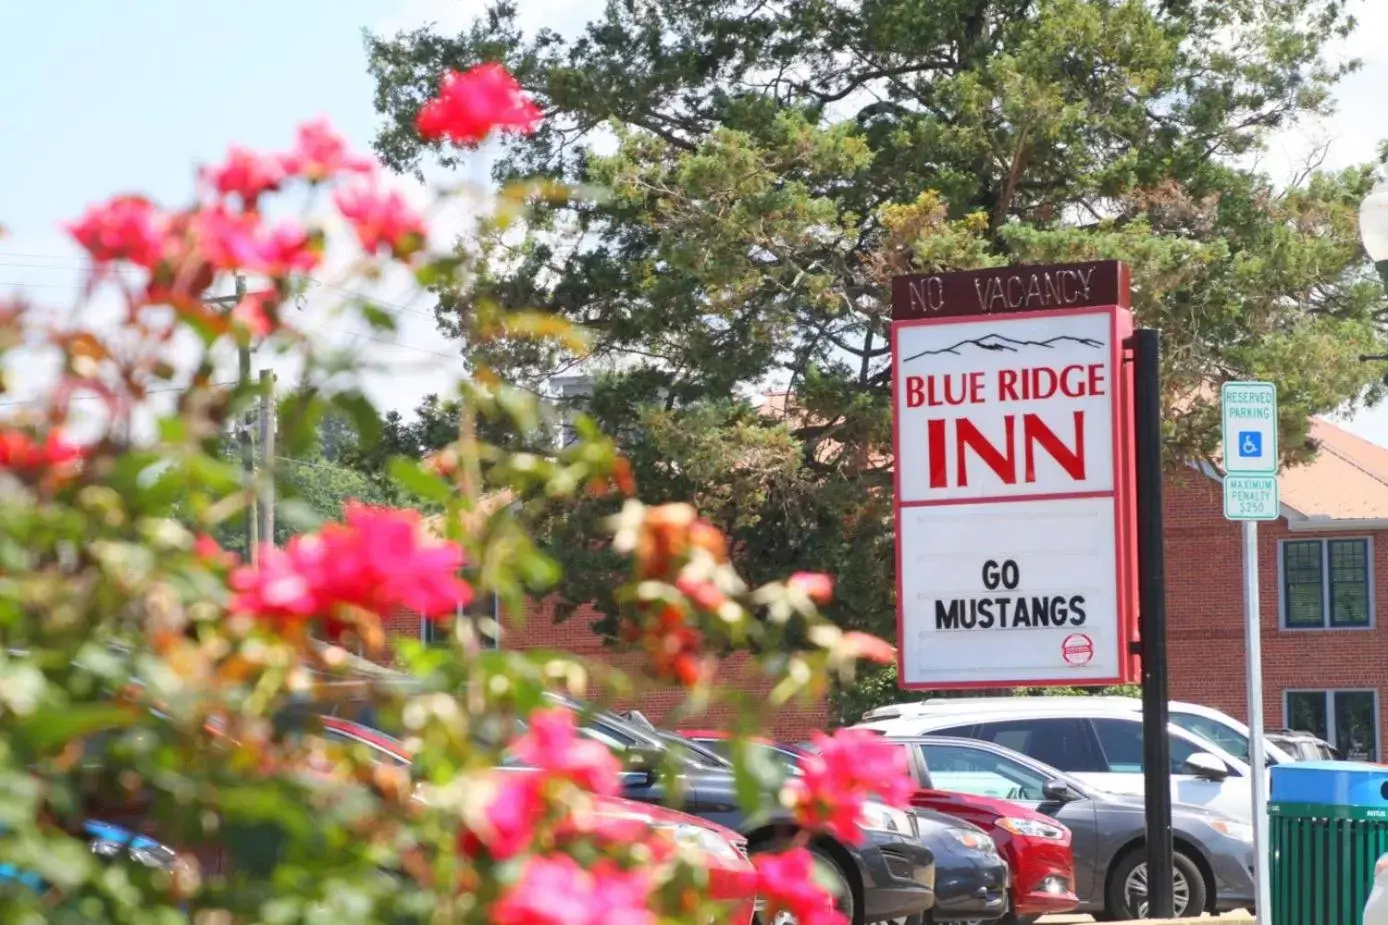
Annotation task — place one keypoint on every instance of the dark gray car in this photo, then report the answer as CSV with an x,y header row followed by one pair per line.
x,y
1214,853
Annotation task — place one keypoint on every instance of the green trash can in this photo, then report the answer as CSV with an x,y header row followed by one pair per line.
x,y
1327,826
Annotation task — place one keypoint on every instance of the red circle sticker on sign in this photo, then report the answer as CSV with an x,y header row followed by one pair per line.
x,y
1077,649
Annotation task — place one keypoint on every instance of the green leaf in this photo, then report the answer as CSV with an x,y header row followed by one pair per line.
x,y
362,413
49,728
417,480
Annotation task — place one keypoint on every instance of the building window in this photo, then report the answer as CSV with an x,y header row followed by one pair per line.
x,y
1347,720
482,606
1326,584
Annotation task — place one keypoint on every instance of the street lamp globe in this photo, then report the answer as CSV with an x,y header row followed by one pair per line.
x,y
1373,227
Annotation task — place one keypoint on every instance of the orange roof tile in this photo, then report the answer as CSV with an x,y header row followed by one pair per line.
x,y
1347,480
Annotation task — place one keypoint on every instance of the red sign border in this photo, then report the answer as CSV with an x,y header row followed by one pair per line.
x,y
1122,493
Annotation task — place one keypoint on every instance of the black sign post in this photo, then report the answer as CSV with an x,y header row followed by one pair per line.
x,y
1151,593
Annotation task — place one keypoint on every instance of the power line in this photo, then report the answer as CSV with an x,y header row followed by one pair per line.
x,y
171,388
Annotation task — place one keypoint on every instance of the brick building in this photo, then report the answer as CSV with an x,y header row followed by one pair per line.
x,y
1324,567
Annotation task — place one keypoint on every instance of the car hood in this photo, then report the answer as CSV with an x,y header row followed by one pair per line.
x,y
943,799
929,818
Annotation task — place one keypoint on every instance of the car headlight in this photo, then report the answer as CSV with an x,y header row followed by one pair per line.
x,y
1032,828
1239,831
699,839
879,817
974,840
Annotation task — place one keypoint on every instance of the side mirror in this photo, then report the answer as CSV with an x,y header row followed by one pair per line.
x,y
1058,791
1206,767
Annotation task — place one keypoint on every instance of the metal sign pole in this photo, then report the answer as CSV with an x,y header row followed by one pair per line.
x,y
1253,658
1151,570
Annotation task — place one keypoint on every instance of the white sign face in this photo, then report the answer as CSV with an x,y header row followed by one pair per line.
x,y
1005,407
1251,497
1010,532
1249,412
1001,594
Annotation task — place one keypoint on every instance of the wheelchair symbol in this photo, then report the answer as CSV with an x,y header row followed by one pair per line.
x,y
1250,443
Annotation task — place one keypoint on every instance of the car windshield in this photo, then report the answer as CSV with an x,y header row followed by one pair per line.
x,y
788,762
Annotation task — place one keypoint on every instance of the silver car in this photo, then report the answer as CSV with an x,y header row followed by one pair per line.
x,y
1213,852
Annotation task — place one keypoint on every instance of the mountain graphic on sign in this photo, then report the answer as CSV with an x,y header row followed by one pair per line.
x,y
998,343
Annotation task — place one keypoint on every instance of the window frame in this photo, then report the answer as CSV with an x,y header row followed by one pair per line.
x,y
1327,584
1328,696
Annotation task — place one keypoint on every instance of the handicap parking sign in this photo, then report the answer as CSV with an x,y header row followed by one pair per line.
x,y
1250,443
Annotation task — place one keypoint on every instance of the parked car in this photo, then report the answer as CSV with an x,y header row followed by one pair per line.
x,y
971,878
111,843
1213,725
1035,848
787,757
732,878
890,875
1097,743
1213,852
1302,746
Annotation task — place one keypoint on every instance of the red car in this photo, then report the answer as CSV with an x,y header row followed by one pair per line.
x,y
1035,846
732,878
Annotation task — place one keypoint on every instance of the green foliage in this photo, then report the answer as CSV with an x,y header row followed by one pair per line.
x,y
766,168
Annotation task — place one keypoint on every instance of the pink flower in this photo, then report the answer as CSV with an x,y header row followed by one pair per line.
x,y
471,105
321,154
381,220
867,647
287,248
553,746
210,551
124,228
246,174
513,815
817,586
276,587
785,882
255,312
227,240
20,452
558,891
378,560
237,241
841,772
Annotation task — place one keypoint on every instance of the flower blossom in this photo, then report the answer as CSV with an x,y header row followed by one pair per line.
x,y
512,815
320,154
473,104
558,891
238,241
381,220
255,312
552,745
817,586
785,882
246,174
840,773
20,452
124,228
377,560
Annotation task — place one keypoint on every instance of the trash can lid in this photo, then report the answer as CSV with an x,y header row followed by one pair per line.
x,y
1330,783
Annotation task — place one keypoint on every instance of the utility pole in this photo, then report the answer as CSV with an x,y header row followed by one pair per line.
x,y
268,423
247,440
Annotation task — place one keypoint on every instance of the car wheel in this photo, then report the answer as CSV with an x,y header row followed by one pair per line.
x,y
828,871
1127,887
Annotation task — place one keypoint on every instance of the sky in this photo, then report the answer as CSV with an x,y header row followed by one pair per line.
x,y
100,96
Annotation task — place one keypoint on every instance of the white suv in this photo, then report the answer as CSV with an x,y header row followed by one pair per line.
x,y
1208,723
1093,738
